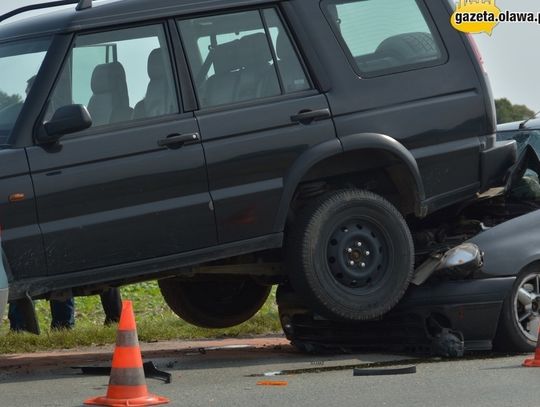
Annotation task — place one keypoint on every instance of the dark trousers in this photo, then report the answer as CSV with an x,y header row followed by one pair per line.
x,y
112,305
63,312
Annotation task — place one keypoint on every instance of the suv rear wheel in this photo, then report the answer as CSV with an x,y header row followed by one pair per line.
x,y
350,255
218,303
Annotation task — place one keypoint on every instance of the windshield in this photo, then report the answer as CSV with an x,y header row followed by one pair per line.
x,y
19,64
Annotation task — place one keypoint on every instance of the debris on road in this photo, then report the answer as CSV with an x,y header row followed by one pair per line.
x,y
271,383
150,371
384,371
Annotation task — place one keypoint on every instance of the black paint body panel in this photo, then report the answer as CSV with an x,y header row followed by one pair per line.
x,y
109,199
249,153
21,235
128,200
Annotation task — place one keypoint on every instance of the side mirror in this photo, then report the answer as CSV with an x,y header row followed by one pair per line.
x,y
66,120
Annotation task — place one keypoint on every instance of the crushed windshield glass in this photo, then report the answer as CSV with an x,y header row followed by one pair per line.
x,y
19,63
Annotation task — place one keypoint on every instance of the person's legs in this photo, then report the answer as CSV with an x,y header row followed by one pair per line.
x,y
112,305
22,316
63,314
16,320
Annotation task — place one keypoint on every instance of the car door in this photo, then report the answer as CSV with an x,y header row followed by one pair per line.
x,y
134,185
258,112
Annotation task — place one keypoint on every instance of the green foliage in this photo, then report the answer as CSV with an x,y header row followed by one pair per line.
x,y
507,112
155,322
7,100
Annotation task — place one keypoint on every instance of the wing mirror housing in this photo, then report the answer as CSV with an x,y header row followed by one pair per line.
x,y
66,120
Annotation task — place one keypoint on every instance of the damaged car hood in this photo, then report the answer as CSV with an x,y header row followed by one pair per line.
x,y
510,246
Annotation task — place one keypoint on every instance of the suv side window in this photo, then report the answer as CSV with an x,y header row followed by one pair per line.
x,y
384,36
241,57
119,75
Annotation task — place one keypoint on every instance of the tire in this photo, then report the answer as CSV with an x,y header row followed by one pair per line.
x,y
337,230
219,303
513,335
410,47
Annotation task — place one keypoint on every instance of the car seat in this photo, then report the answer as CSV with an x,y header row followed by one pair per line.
x,y
110,100
159,98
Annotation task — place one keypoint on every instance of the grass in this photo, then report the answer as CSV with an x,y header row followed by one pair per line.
x,y
155,322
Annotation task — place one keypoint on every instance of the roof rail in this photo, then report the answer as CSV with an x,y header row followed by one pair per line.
x,y
81,5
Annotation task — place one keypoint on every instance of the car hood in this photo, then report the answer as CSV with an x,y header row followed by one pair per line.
x,y
509,247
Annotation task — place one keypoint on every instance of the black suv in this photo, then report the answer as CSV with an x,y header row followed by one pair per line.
x,y
223,146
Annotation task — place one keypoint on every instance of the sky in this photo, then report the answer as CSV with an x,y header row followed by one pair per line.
x,y
511,54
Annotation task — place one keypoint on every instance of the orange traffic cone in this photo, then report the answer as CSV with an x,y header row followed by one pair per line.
x,y
535,362
127,384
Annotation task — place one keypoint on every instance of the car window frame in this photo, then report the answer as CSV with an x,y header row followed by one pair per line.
x,y
129,124
430,21
259,101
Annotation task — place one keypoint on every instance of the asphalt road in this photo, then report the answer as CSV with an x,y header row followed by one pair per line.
x,y
229,377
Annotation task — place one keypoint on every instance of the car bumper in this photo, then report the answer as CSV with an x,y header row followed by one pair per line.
x,y
471,307
495,162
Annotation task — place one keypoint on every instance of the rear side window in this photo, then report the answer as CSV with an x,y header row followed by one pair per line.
x,y
241,57
385,36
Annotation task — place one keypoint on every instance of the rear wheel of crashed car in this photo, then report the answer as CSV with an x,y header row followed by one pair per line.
x,y
520,317
218,303
350,255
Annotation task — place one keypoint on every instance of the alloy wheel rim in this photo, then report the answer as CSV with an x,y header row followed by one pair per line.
x,y
527,306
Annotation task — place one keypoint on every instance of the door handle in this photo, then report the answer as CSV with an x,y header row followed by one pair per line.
x,y
179,140
309,116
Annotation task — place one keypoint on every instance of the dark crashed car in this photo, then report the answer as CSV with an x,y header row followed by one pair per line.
x,y
461,300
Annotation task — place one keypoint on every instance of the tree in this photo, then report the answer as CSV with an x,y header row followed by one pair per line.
x,y
7,100
507,112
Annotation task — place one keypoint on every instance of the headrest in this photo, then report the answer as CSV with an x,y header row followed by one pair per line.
x,y
226,57
254,50
108,77
248,51
156,65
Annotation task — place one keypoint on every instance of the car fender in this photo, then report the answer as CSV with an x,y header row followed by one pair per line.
x,y
299,169
334,147
509,247
376,141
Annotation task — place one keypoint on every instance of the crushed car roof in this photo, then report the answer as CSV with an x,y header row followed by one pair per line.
x,y
112,12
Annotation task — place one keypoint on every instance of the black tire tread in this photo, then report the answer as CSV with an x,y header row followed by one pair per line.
x,y
298,253
177,296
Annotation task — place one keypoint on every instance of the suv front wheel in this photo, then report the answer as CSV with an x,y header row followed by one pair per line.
x,y
350,255
216,303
